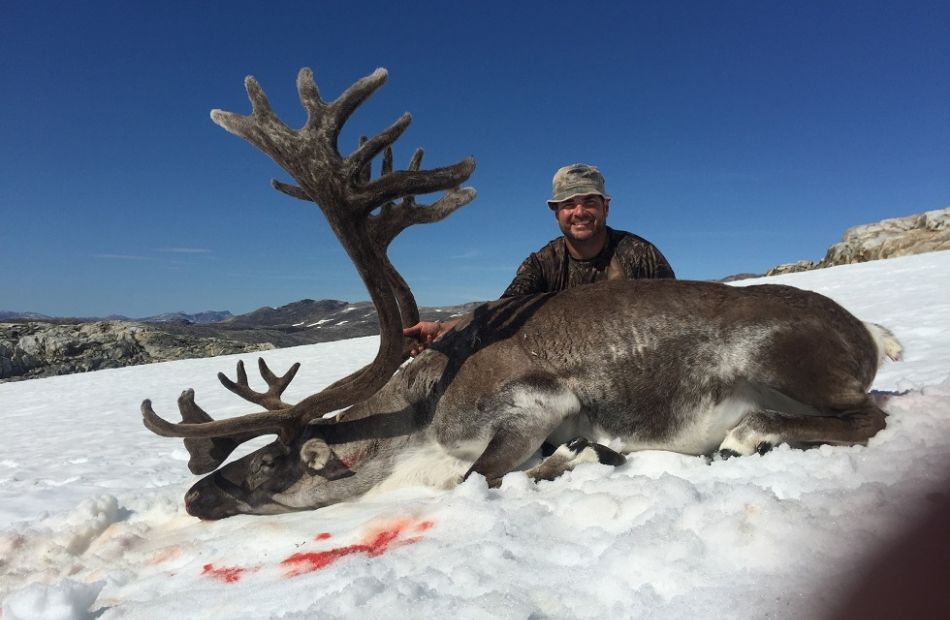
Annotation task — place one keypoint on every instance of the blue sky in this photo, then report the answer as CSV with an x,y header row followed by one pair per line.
x,y
734,135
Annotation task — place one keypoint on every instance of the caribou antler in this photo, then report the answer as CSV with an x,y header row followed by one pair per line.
x,y
269,399
343,189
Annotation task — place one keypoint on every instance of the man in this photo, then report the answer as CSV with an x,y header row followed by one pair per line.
x,y
589,250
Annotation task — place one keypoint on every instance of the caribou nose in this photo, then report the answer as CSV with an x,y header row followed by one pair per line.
x,y
201,506
190,499
207,503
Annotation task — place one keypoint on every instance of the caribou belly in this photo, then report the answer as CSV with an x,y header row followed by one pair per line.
x,y
700,430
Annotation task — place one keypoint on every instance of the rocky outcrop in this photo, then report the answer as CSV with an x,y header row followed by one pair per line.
x,y
29,350
899,236
802,265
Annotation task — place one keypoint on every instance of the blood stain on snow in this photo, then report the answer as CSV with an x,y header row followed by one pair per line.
x,y
322,536
227,574
422,526
374,543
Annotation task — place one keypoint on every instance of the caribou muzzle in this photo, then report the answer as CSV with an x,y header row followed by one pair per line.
x,y
209,499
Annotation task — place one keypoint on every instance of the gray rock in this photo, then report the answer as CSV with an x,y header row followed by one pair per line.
x,y
899,236
29,350
802,265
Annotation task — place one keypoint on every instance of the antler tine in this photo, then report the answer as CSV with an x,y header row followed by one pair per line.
x,y
191,413
343,106
396,217
276,385
387,209
291,190
361,157
310,97
411,183
365,171
416,160
205,455
445,206
261,126
260,105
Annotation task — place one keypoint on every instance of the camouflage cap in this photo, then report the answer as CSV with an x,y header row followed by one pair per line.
x,y
576,180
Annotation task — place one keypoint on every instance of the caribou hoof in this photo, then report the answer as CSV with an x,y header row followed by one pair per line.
x,y
726,454
577,444
763,447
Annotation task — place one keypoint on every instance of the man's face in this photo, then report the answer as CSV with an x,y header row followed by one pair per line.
x,y
582,217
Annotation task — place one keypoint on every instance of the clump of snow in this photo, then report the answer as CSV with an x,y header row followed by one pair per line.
x,y
87,521
91,517
66,600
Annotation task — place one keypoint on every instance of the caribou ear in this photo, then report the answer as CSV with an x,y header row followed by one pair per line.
x,y
320,459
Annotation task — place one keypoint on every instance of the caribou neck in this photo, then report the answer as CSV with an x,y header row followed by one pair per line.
x,y
391,418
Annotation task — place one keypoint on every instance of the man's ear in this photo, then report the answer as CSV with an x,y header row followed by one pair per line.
x,y
606,206
320,459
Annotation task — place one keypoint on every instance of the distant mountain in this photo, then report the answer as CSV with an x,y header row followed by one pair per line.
x,y
199,318
9,315
297,314
308,321
210,316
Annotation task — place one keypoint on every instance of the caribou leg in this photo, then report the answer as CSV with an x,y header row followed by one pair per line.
x,y
525,412
571,454
759,430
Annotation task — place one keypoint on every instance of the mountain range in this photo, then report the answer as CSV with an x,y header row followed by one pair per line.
x,y
31,346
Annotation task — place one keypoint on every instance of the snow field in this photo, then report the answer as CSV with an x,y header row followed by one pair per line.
x,y
91,521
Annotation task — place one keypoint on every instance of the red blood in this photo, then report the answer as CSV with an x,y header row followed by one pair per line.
x,y
300,563
374,544
322,536
227,574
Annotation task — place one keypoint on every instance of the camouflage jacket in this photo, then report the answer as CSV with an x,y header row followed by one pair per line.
x,y
553,269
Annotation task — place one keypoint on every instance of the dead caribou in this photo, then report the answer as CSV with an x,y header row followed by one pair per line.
x,y
685,366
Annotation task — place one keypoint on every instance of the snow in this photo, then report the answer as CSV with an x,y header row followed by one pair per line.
x,y
92,523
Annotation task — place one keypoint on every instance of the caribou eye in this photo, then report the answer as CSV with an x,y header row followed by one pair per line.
x,y
266,463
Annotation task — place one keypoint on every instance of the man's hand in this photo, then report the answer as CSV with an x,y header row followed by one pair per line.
x,y
424,333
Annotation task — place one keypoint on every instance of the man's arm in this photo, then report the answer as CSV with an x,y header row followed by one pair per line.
x,y
661,266
528,281
427,332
